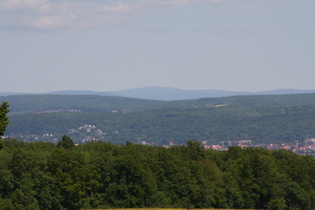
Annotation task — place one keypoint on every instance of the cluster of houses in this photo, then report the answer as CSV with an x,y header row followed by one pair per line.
x,y
57,110
87,133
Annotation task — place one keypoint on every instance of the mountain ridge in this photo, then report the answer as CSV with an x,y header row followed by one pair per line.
x,y
166,93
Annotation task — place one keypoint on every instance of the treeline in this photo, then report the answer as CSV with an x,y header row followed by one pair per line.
x,y
103,175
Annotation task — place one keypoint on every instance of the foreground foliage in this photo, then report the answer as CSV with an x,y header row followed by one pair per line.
x,y
103,175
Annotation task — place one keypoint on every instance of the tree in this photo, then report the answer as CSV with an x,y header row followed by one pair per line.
x,y
1,144
4,122
66,142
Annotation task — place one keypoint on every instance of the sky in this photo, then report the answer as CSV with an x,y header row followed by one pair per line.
x,y
107,45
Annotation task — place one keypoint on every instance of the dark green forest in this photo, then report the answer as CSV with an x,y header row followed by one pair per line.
x,y
42,175
263,119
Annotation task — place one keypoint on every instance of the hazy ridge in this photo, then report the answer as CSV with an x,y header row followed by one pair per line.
x,y
167,94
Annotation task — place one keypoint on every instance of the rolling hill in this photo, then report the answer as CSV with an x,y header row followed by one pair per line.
x,y
263,119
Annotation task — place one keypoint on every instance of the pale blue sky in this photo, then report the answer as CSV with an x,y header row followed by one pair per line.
x,y
102,45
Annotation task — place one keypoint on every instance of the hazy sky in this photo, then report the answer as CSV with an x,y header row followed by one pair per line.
x,y
104,45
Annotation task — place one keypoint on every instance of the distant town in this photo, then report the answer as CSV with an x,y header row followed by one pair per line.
x,y
88,133
308,148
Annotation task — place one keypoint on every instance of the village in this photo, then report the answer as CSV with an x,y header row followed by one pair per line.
x,y
307,148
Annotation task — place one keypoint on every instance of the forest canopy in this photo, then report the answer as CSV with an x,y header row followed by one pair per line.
x,y
40,175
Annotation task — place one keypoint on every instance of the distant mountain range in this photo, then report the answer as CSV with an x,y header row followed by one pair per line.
x,y
169,94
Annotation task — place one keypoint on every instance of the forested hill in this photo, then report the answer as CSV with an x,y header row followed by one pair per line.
x,y
95,103
263,119
83,103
